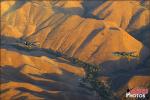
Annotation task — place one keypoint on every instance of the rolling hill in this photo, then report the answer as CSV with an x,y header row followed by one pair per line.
x,y
87,30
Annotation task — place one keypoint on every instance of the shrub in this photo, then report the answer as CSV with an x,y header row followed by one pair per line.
x,y
90,81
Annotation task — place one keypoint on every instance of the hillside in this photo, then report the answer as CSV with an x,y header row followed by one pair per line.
x,y
90,31
131,16
38,77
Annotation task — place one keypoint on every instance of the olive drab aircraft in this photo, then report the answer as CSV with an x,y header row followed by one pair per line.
x,y
22,42
128,55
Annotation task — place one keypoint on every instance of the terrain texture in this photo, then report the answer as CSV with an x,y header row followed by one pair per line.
x,y
87,30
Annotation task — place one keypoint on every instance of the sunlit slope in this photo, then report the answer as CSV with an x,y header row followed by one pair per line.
x,y
5,6
25,18
39,59
57,28
91,40
129,15
89,31
139,81
39,77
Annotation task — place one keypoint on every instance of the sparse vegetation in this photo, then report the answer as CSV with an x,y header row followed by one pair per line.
x,y
90,80
145,4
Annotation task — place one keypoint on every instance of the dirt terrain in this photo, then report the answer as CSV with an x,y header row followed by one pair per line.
x,y
88,30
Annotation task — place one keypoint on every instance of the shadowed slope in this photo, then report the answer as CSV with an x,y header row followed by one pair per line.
x,y
15,6
89,31
131,16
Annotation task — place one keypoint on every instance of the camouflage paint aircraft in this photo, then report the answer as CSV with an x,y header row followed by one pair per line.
x,y
128,55
27,44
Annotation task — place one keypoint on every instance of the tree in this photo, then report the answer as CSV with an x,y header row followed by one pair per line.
x,y
90,82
